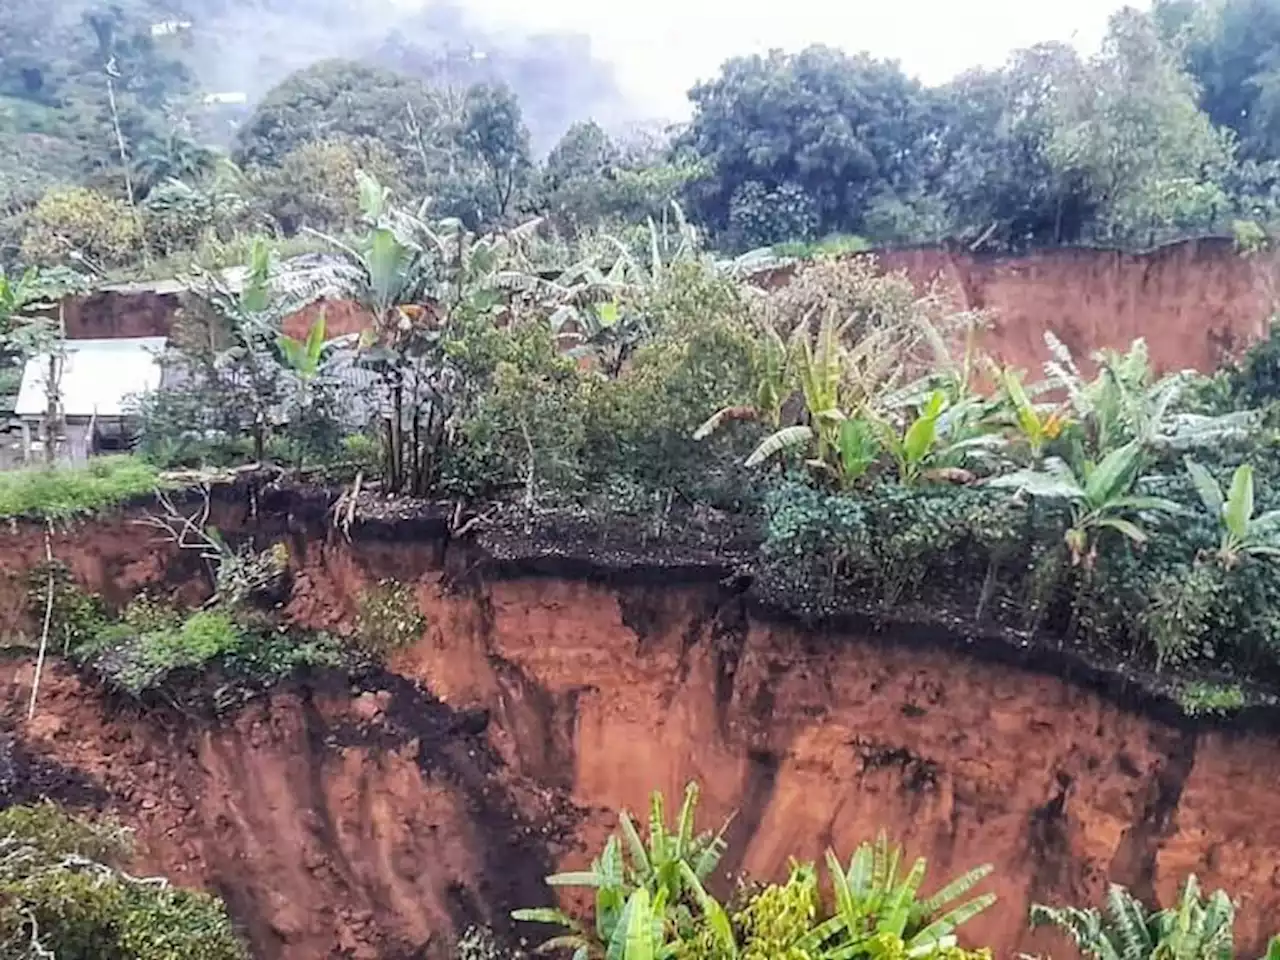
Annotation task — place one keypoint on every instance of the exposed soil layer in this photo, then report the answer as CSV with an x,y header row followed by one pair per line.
x,y
1197,302
374,819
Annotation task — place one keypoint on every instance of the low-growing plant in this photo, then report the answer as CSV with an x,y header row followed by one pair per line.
x,y
1244,534
1194,928
64,492
63,894
1201,698
388,618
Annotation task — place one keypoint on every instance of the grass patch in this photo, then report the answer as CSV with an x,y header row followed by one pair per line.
x,y
835,245
388,618
1211,699
62,492
151,643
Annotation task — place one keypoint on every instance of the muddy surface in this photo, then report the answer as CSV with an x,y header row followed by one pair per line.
x,y
375,818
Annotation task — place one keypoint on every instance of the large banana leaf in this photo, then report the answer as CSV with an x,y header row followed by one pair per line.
x,y
1113,477
1207,488
788,438
1239,508
1053,481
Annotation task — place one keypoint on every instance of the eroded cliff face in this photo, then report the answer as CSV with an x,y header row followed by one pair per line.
x,y
374,821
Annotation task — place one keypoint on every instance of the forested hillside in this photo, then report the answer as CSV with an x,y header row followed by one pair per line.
x,y
1172,128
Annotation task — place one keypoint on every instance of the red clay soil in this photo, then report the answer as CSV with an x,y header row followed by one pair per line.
x,y
1197,302
334,831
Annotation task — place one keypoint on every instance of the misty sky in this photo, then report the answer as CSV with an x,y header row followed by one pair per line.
x,y
661,47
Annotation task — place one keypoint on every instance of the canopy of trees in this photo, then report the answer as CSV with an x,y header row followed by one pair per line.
x,y
1172,128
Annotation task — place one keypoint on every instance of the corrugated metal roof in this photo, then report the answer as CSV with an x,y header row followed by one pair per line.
x,y
97,376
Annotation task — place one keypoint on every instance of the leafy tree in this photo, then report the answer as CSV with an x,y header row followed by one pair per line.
x,y
1130,126
992,169
494,136
833,130
75,222
1231,48
315,185
578,179
341,98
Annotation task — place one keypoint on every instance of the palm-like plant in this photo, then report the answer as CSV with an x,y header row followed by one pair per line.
x,y
1191,930
416,280
1243,534
873,900
1101,496
668,867
1037,425
176,157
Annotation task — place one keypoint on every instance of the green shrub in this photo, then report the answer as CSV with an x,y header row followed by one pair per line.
x,y
388,618
75,219
142,661
1210,699
62,894
63,492
75,617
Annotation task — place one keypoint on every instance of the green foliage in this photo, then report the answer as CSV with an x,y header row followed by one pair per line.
x,y
784,151
388,618
62,492
1193,928
654,904
63,894
1243,533
75,617
638,877
154,649
139,661
343,99
1200,699
314,185
493,132
71,222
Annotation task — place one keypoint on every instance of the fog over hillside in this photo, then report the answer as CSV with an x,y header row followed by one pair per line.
x,y
250,45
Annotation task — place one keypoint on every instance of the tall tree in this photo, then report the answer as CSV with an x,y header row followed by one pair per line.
x,y
493,134
994,174
818,133
1130,125
1232,49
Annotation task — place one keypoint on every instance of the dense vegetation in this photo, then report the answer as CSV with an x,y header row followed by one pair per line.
x,y
651,902
64,895
548,342
109,152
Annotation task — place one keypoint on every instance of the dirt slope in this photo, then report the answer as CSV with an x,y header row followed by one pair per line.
x,y
367,822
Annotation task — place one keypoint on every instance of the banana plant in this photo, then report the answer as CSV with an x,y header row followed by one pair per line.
x,y
1243,534
873,901
912,448
638,931
1191,930
839,385
1036,426
661,865
304,357
1101,497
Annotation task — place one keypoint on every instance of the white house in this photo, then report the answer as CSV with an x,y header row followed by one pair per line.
x,y
95,378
